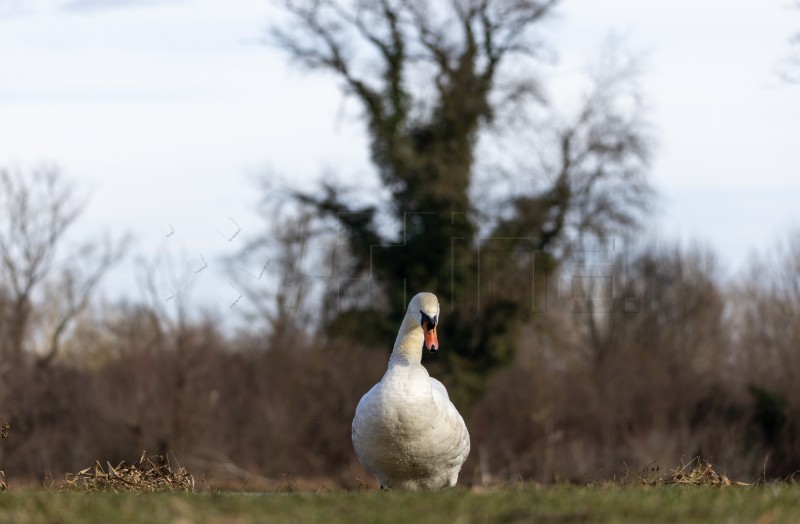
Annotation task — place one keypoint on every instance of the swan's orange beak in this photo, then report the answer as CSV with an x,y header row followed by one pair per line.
x,y
431,342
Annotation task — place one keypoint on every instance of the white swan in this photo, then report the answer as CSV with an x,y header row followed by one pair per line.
x,y
406,431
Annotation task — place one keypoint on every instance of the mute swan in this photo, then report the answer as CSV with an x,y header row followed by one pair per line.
x,y
406,431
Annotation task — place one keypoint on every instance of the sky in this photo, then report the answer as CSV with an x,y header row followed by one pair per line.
x,y
164,111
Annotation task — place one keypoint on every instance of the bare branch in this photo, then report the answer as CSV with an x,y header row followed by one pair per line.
x,y
76,285
326,49
36,211
789,69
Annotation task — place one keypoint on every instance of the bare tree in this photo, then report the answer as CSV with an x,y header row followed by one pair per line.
x,y
768,308
45,283
591,166
765,308
274,274
431,78
427,77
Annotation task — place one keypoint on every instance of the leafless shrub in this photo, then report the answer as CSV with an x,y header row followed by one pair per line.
x,y
765,309
589,389
671,379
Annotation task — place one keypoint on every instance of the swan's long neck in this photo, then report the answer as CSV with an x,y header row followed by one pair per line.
x,y
408,344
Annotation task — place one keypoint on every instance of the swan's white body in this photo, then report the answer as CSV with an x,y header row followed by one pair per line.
x,y
406,431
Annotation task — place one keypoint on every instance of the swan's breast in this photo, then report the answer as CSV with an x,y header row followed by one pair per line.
x,y
404,427
395,408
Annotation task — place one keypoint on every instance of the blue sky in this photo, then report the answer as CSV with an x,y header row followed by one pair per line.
x,y
164,111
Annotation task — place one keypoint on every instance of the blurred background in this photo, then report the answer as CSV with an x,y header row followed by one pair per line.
x,y
212,217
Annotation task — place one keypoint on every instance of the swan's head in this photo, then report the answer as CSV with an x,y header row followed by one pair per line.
x,y
424,308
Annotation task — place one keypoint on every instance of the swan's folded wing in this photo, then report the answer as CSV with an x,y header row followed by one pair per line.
x,y
439,387
454,430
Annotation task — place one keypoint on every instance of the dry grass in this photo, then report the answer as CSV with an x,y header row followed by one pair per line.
x,y
696,472
146,475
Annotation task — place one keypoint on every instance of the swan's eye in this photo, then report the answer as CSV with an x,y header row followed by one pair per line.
x,y
427,322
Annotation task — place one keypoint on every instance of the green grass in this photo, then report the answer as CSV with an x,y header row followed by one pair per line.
x,y
763,504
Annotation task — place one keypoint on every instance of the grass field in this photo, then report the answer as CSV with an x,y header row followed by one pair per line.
x,y
762,504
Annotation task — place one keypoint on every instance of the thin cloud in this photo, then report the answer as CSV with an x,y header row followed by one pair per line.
x,y
13,8
94,6
9,8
